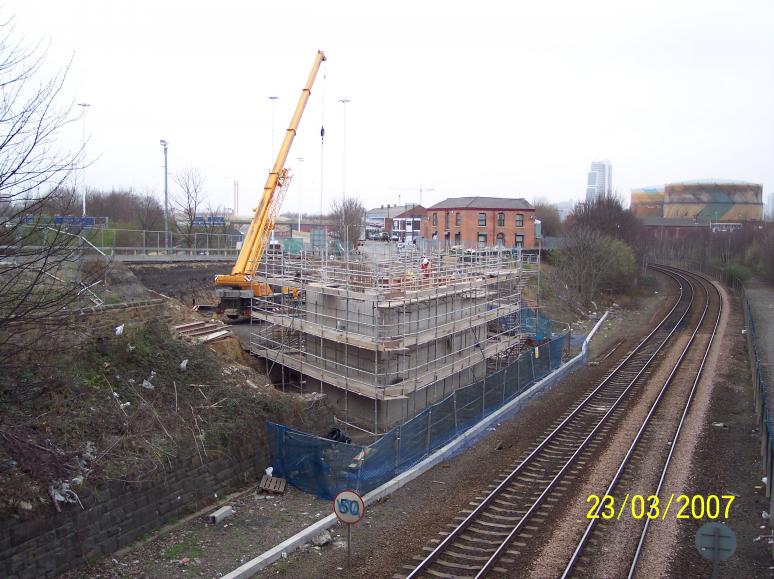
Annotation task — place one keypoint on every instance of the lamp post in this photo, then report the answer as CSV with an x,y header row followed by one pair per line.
x,y
83,151
344,151
273,100
300,190
163,143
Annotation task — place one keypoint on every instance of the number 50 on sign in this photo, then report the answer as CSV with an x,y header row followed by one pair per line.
x,y
349,507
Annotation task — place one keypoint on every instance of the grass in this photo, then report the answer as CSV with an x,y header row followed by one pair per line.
x,y
188,547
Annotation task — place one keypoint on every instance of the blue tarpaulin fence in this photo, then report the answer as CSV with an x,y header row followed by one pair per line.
x,y
527,321
324,467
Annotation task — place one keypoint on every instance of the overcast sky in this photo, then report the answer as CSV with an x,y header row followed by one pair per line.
x,y
506,99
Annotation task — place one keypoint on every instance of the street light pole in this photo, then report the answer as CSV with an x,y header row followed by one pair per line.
x,y
83,151
300,190
273,100
344,151
164,143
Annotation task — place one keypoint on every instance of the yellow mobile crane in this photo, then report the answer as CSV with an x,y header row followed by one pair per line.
x,y
236,289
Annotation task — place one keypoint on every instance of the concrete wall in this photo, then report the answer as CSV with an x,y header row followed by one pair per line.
x,y
388,368
119,513
361,314
361,410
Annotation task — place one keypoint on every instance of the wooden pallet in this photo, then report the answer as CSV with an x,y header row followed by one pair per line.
x,y
273,484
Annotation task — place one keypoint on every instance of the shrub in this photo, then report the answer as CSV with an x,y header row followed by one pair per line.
x,y
736,271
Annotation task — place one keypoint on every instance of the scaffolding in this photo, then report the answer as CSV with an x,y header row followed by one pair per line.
x,y
385,337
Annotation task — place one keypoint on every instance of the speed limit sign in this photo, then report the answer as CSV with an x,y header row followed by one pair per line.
x,y
349,507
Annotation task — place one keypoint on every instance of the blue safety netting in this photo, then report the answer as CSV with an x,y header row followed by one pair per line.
x,y
324,467
527,321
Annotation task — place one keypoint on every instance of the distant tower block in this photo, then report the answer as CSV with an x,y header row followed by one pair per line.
x,y
600,180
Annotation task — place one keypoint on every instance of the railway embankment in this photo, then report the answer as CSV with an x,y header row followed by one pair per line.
x,y
116,427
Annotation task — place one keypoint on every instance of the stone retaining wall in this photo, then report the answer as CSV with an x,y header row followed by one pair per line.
x,y
119,513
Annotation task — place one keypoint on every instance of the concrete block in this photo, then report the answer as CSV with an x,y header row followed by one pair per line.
x,y
220,514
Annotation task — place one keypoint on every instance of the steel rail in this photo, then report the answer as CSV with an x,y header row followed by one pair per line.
x,y
699,374
454,534
625,462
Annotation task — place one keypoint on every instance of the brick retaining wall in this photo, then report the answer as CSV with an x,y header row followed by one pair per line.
x,y
119,513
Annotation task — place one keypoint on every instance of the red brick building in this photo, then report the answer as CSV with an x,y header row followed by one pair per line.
x,y
481,222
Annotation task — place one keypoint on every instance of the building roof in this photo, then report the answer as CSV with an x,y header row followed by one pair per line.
x,y
483,203
416,211
713,182
389,210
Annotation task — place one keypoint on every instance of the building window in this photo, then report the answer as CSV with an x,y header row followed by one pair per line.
x,y
501,219
435,235
501,239
458,219
482,240
457,237
519,220
481,219
446,220
519,240
435,220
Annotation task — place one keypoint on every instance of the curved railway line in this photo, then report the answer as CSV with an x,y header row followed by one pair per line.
x,y
494,537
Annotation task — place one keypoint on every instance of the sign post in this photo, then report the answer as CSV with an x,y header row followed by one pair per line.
x,y
349,508
715,542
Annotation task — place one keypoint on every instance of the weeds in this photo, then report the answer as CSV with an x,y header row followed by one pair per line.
x,y
54,410
188,547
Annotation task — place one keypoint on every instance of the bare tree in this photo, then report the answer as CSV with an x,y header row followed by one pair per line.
x,y
42,270
550,220
190,201
590,262
349,215
607,215
150,216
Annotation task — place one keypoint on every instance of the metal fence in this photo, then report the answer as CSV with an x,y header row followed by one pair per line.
x,y
760,382
324,467
123,242
760,379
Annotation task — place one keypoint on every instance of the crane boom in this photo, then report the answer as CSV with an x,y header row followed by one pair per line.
x,y
262,224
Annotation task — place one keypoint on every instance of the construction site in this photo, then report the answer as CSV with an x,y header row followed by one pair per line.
x,y
385,338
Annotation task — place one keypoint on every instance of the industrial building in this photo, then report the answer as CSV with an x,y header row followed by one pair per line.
x,y
384,338
478,222
672,211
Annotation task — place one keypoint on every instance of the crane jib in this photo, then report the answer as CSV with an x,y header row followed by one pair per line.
x,y
277,182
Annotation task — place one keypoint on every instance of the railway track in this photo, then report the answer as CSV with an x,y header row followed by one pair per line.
x,y
628,480
491,537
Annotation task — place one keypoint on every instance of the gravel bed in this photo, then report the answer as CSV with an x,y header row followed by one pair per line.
x,y
725,459
618,539
571,521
